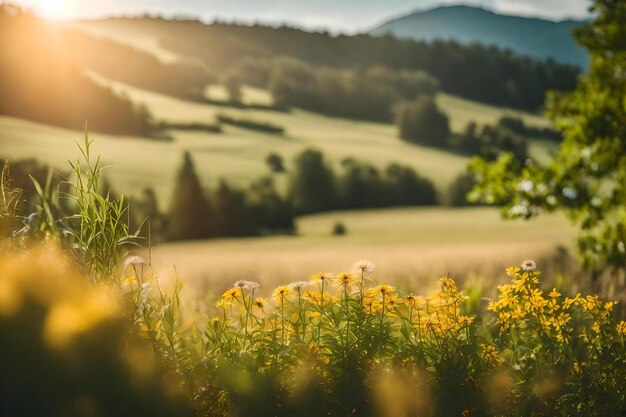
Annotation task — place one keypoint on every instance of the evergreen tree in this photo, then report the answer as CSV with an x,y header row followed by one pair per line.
x,y
190,210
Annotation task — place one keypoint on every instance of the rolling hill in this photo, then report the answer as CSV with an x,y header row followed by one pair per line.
x,y
533,37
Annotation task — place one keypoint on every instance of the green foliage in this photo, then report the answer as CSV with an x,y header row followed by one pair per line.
x,y
98,229
587,176
421,122
10,199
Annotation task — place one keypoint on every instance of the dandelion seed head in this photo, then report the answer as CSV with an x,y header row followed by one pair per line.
x,y
363,267
299,285
134,261
246,285
529,265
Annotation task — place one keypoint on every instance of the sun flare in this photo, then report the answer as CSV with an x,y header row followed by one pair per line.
x,y
51,9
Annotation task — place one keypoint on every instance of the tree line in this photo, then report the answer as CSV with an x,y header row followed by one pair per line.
x,y
476,72
198,212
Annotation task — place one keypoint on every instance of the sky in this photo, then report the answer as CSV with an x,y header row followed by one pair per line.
x,y
347,16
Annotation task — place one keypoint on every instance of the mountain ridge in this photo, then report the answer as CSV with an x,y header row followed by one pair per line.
x,y
531,36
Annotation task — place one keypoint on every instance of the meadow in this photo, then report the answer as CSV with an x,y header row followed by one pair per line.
x,y
411,246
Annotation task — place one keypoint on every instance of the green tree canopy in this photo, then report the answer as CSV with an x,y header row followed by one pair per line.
x,y
587,176
421,121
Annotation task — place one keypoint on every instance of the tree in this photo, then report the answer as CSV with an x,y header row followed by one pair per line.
x,y
233,86
587,176
275,163
420,121
406,188
190,210
231,216
312,186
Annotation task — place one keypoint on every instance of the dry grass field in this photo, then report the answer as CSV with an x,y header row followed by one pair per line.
x,y
410,246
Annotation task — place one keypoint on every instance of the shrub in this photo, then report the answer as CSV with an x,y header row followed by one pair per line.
x,y
421,122
339,229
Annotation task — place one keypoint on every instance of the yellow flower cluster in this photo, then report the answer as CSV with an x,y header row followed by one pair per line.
x,y
523,304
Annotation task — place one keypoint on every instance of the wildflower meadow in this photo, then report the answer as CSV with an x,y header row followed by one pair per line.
x,y
87,329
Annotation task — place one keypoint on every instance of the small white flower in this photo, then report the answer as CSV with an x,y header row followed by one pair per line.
x,y
528,265
570,192
518,210
525,186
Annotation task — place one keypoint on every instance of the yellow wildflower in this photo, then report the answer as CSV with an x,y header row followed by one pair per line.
x,y
260,303
345,280
322,276
578,367
231,294
554,293
512,271
281,293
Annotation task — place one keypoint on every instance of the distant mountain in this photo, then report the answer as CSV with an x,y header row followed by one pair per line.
x,y
533,37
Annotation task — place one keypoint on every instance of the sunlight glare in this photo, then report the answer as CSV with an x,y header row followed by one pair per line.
x,y
51,9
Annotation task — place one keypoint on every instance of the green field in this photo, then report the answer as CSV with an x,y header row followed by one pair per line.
x,y
237,154
409,245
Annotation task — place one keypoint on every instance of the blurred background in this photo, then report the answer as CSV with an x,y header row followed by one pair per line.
x,y
274,140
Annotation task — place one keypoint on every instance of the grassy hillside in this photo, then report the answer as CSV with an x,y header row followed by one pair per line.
x,y
414,245
237,154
